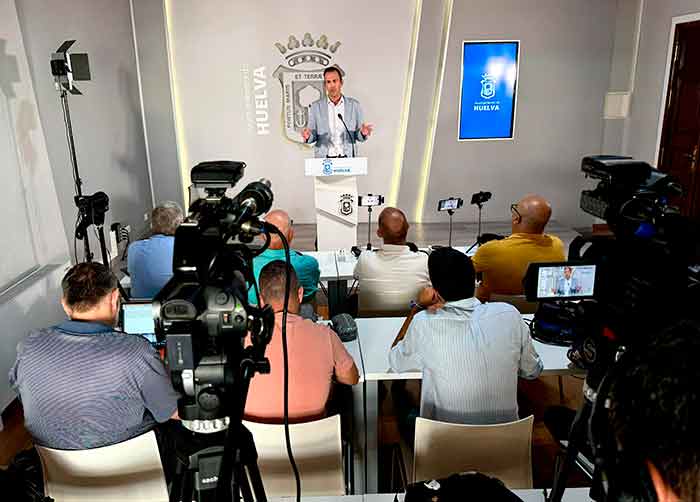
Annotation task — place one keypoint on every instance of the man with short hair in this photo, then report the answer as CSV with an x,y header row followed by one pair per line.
x,y
654,412
471,354
316,357
150,261
306,267
567,284
326,128
392,276
503,263
84,385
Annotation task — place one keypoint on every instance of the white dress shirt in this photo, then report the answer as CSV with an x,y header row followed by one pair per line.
x,y
471,355
390,278
336,127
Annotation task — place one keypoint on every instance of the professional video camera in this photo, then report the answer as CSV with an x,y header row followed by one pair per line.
x,y
616,288
203,316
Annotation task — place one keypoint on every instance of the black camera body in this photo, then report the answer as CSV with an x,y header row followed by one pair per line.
x,y
202,313
643,279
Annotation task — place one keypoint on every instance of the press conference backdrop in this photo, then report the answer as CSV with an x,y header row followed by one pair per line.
x,y
245,73
489,90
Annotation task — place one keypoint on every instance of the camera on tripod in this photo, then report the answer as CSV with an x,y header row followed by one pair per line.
x,y
615,288
202,313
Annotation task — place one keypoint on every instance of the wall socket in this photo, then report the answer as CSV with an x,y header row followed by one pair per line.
x,y
145,216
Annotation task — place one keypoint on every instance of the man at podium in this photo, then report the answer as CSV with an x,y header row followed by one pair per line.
x,y
335,121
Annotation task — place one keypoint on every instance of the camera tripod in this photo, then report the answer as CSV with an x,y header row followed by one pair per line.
x,y
218,472
603,357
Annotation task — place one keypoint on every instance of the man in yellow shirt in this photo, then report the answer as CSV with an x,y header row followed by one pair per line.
x,y
503,263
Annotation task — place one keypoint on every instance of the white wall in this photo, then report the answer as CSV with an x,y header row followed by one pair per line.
x,y
648,100
213,41
565,54
107,121
35,303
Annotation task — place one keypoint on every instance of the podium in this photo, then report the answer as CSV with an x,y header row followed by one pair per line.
x,y
335,189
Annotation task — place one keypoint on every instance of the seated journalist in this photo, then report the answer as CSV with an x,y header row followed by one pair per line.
x,y
471,354
306,267
316,358
392,276
150,261
503,263
83,384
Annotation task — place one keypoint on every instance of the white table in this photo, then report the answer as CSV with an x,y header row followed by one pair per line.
x,y
376,336
534,495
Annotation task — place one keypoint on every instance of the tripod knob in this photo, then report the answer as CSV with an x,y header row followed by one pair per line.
x,y
209,399
263,366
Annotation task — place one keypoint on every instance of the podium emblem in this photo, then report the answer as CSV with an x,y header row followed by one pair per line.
x,y
346,204
302,79
327,167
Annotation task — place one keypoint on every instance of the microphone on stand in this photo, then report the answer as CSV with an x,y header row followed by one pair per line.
x,y
352,138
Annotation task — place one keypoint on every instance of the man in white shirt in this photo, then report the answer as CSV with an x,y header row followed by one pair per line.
x,y
332,138
391,277
471,354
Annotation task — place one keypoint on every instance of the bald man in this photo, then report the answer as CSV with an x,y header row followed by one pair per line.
x,y
391,277
306,267
503,263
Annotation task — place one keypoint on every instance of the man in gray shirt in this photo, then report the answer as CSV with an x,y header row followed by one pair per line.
x,y
84,385
471,354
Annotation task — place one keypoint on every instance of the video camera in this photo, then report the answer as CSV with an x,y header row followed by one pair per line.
x,y
202,313
616,288
643,271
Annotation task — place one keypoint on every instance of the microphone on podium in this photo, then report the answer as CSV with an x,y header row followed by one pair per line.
x,y
352,138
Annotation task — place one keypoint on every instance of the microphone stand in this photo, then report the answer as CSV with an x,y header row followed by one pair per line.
x,y
352,137
450,212
478,231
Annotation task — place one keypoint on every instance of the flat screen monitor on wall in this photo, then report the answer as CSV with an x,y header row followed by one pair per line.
x,y
489,89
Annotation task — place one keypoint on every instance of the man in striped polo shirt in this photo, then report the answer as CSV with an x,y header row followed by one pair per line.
x,y
81,383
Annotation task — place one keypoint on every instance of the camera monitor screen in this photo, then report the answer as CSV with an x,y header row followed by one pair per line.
x,y
137,319
565,281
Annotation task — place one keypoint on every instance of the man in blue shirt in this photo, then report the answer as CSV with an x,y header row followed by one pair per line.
x,y
471,354
81,383
150,262
306,267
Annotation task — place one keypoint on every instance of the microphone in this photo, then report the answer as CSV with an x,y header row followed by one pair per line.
x,y
352,138
345,326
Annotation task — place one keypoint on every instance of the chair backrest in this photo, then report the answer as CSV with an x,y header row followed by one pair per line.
x,y
317,449
130,470
501,450
517,301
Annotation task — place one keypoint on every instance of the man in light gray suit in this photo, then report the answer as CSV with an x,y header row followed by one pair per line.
x,y
566,284
326,117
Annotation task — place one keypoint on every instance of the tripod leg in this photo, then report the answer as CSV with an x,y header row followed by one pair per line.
x,y
576,437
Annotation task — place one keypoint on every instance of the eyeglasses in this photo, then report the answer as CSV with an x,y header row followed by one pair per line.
x,y
514,209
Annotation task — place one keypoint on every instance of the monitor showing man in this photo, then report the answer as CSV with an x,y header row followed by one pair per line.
x,y
336,122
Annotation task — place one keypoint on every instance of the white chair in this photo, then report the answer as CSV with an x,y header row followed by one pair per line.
x,y
130,470
317,449
502,450
517,301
